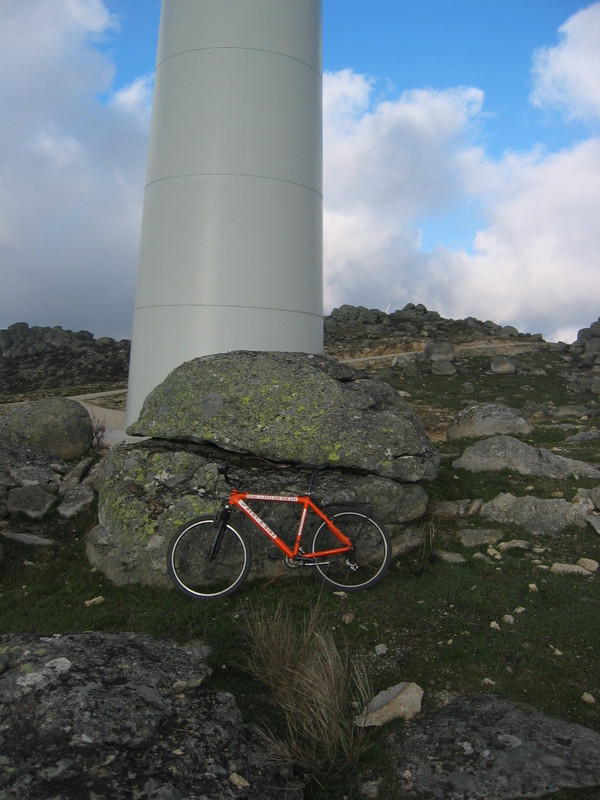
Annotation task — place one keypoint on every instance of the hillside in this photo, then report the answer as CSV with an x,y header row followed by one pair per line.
x,y
39,361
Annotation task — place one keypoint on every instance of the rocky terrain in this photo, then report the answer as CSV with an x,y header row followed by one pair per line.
x,y
515,421
35,361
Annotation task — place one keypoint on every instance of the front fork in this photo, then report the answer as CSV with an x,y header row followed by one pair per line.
x,y
220,522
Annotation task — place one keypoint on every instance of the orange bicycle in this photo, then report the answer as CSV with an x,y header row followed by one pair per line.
x,y
209,558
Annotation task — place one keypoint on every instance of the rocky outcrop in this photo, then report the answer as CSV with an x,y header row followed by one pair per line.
x,y
263,413
487,419
56,425
482,747
290,407
506,452
36,358
588,341
536,515
351,328
122,716
33,483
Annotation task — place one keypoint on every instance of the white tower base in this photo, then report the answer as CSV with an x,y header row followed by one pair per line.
x,y
231,242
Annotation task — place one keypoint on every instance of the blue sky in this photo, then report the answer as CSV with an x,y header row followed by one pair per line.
x,y
472,128
407,44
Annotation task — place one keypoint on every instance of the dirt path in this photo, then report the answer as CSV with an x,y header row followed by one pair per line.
x,y
479,348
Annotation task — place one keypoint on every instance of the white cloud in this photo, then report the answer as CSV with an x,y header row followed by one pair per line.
x,y
136,99
568,75
72,170
537,262
394,165
386,164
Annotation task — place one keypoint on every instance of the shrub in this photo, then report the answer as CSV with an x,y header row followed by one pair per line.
x,y
317,689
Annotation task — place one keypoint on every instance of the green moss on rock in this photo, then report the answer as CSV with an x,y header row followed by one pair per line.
x,y
290,407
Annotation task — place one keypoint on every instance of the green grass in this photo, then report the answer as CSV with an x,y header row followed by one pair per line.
x,y
62,391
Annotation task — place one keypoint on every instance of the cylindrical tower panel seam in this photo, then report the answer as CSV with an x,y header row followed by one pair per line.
x,y
230,306
247,175
246,49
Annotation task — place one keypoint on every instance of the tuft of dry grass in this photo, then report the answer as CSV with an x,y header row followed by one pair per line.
x,y
98,433
317,689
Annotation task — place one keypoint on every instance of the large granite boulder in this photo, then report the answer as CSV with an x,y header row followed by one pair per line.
x,y
482,747
152,488
56,425
269,416
290,407
536,515
98,715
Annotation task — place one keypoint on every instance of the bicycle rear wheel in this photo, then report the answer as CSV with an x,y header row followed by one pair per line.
x,y
196,572
361,569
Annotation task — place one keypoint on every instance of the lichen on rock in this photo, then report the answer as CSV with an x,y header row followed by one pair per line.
x,y
290,407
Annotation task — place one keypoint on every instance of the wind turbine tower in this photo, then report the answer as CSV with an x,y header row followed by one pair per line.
x,y
231,241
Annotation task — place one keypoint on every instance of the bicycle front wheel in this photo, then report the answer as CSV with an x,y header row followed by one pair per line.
x,y
203,571
355,571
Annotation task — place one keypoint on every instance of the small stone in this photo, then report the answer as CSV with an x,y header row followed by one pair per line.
x,y
515,544
588,698
381,649
532,587
519,610
450,558
32,501
95,601
238,781
476,538
494,626
588,563
348,618
569,569
401,701
370,789
75,500
509,740
28,538
594,521
475,507
343,595
508,619
488,682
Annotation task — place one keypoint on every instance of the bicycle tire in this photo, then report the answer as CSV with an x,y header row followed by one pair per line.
x,y
201,577
370,560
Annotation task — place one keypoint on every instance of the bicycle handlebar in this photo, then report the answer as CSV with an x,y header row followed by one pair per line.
x,y
223,470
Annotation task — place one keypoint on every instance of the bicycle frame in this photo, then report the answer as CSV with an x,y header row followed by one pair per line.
x,y
238,499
